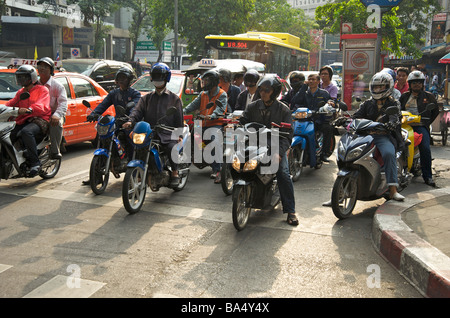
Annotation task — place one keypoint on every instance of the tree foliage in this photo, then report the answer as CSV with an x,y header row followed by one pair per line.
x,y
403,27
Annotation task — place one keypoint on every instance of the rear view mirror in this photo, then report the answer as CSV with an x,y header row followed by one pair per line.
x,y
86,103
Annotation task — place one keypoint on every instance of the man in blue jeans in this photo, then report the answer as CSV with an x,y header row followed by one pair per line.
x,y
265,111
415,101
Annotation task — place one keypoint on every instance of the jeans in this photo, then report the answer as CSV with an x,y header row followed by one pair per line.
x,y
387,150
285,186
425,151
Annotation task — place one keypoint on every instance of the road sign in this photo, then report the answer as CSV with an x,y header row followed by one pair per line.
x,y
382,3
75,52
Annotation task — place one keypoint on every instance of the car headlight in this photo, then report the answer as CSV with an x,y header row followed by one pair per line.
x,y
139,139
250,165
236,164
355,153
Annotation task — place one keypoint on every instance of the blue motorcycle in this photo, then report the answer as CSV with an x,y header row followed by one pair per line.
x,y
150,165
110,155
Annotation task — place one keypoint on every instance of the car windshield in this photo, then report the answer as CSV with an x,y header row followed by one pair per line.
x,y
145,85
8,86
78,67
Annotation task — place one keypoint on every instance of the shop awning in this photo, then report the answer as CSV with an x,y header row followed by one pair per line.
x,y
445,59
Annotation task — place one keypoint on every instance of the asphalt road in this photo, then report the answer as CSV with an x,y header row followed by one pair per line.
x,y
58,239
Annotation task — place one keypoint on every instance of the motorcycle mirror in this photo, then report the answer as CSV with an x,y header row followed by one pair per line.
x,y
24,95
86,103
391,110
343,106
120,110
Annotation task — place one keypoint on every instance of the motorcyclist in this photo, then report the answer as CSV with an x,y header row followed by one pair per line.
x,y
58,104
153,107
297,82
415,101
34,125
251,94
120,96
381,86
232,90
211,92
265,111
395,92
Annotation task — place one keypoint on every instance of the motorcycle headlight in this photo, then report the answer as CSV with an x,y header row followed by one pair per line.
x,y
139,139
236,164
404,120
250,165
355,153
300,115
102,130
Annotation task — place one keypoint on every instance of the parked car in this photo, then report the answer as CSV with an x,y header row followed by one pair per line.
x,y
101,71
144,85
78,88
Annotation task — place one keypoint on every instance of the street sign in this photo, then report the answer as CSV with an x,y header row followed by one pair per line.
x,y
382,3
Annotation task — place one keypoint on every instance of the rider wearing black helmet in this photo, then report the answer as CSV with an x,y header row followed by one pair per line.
x,y
297,82
58,103
251,94
265,111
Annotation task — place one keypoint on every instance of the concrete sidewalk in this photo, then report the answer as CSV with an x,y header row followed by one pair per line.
x,y
414,236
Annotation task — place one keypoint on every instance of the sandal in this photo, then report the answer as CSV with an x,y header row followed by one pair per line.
x,y
292,219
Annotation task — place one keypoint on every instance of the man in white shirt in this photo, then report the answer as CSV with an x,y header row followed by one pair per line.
x,y
58,103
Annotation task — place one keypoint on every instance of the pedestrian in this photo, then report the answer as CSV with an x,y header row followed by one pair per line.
x,y
58,104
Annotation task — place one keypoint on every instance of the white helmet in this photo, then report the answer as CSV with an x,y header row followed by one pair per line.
x,y
381,85
416,76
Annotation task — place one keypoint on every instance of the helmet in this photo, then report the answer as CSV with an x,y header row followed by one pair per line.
x,y
390,72
296,79
210,79
225,75
273,82
381,85
252,76
160,72
26,75
416,76
49,62
125,71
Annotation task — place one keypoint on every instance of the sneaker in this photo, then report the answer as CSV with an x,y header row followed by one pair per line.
x,y
398,197
213,175
217,178
327,203
34,170
430,182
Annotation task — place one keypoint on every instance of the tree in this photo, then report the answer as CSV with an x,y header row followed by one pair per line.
x,y
403,27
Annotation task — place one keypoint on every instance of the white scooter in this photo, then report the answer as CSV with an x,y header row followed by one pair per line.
x,y
13,161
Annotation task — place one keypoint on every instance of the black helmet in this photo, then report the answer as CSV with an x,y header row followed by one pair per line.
x,y
271,81
160,72
296,79
225,75
210,79
26,75
252,76
49,62
126,71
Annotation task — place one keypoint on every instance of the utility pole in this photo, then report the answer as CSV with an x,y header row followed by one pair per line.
x,y
175,64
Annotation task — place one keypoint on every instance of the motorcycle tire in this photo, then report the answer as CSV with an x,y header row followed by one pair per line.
x,y
133,191
344,196
98,174
295,160
49,167
241,209
226,179
444,134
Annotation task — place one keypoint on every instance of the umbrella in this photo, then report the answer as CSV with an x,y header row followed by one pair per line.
x,y
446,60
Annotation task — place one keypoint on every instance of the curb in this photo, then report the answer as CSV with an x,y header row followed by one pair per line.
x,y
423,265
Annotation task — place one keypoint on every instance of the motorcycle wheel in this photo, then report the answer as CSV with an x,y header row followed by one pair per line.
x,y
444,134
98,174
49,167
343,196
133,191
226,179
241,211
296,163
319,149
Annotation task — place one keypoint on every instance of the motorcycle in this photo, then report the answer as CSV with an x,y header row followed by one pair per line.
x,y
253,188
307,143
414,139
110,155
13,157
360,164
150,165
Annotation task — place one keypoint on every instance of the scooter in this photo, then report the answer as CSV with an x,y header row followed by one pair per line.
x,y
361,175
253,188
414,139
307,143
13,157
110,155
150,165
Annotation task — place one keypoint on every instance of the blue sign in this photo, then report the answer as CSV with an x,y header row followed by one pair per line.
x,y
382,3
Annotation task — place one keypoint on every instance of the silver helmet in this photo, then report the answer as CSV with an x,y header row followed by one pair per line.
x,y
381,85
